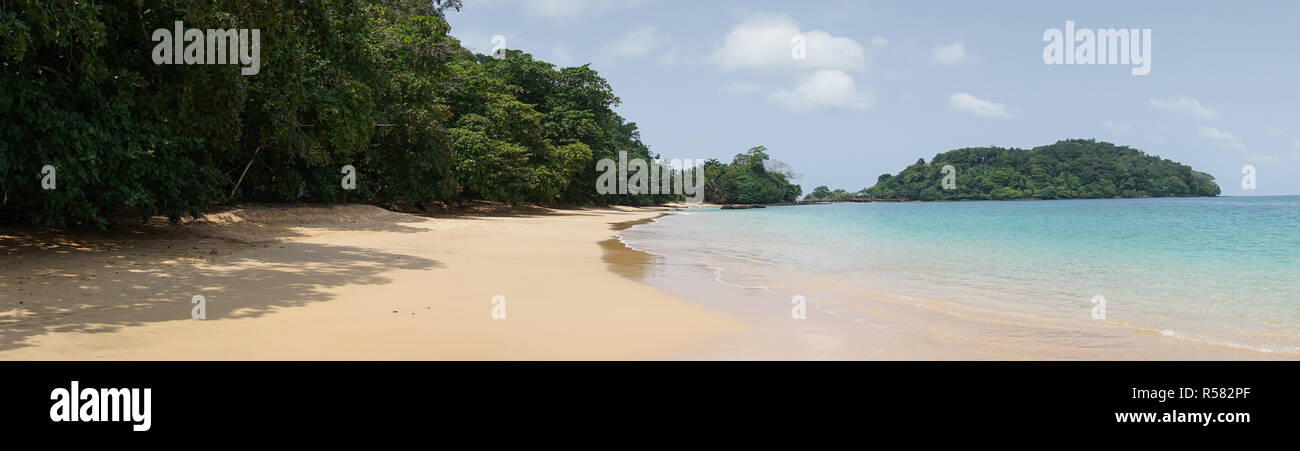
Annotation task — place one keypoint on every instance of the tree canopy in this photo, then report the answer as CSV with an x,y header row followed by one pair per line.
x,y
1078,168
376,84
824,193
747,180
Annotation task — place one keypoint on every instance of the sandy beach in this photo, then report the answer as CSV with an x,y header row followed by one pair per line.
x,y
362,283
347,283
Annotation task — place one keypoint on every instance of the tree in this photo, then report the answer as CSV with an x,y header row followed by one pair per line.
x,y
1066,169
747,180
821,192
379,85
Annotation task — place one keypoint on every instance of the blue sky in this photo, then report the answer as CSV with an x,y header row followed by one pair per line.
x,y
885,83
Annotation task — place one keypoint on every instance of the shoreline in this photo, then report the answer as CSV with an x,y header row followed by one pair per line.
x,y
340,283
357,282
886,325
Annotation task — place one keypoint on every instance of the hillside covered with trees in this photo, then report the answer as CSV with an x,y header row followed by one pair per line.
x,y
751,178
379,85
1067,169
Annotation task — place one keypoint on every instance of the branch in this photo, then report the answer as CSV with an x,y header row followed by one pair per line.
x,y
241,174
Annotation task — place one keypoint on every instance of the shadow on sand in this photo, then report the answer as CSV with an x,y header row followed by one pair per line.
x,y
57,280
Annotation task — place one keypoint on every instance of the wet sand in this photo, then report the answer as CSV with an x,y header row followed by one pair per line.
x,y
848,324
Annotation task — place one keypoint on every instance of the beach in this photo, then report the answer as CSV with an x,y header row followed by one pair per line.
x,y
362,283
340,283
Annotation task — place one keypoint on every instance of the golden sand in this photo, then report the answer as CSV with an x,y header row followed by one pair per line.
x,y
350,283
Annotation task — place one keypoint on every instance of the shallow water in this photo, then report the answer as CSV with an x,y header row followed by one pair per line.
x,y
1216,270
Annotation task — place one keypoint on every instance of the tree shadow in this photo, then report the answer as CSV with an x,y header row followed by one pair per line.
x,y
246,261
101,281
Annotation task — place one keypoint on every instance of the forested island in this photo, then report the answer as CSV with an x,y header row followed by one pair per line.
x,y
1068,169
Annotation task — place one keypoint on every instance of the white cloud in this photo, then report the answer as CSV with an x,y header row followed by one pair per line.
x,y
1186,106
767,41
826,88
1227,139
947,55
1216,134
567,9
740,88
1297,143
476,42
638,42
967,103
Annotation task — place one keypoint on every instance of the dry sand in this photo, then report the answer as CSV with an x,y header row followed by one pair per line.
x,y
341,283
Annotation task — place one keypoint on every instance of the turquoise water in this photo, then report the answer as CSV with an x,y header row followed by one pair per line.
x,y
1221,270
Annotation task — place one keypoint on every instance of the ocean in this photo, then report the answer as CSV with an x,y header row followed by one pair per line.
x,y
1224,271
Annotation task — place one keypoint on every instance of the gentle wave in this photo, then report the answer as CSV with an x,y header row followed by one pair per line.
x,y
1216,271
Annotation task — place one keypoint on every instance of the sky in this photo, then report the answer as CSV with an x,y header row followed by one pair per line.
x,y
879,84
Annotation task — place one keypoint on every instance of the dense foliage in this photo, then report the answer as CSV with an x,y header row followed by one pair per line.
x,y
824,193
748,180
1067,169
376,84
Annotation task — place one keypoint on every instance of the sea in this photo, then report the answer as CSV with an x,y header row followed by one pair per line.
x,y
1222,270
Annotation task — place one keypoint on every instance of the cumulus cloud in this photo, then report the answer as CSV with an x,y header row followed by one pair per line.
x,y
567,9
947,55
638,42
967,103
770,41
826,88
1224,138
1185,106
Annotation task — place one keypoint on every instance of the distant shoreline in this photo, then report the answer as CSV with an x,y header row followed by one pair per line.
x,y
872,201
